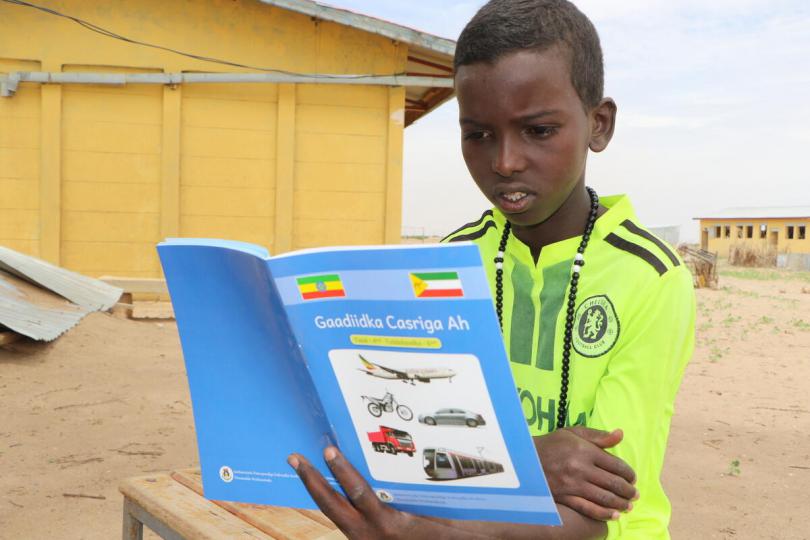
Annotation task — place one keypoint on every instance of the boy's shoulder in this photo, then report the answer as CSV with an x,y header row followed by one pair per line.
x,y
622,242
636,245
474,230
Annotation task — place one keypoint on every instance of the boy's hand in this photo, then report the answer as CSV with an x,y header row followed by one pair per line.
x,y
361,515
582,476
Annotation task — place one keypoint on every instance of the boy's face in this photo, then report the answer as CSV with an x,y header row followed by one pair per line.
x,y
525,132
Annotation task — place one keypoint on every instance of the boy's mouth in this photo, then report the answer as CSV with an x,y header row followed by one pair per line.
x,y
514,196
513,201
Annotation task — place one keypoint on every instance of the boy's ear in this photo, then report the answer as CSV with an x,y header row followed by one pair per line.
x,y
603,122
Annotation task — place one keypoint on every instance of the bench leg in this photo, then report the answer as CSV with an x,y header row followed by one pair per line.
x,y
133,528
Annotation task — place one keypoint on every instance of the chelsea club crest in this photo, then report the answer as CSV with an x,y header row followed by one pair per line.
x,y
596,326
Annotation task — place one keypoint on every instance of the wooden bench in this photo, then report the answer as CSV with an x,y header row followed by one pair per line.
x,y
172,505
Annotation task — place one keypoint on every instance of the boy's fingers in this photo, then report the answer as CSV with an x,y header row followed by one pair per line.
x,y
589,509
614,465
602,439
331,503
605,498
355,486
615,484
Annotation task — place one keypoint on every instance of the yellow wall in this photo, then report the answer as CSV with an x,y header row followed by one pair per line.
x,y
20,162
773,227
92,176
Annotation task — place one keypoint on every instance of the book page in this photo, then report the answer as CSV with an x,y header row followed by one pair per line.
x,y
253,400
404,349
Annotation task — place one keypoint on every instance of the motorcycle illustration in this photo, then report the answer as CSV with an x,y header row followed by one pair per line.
x,y
377,406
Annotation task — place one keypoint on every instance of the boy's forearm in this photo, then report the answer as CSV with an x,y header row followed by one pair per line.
x,y
575,527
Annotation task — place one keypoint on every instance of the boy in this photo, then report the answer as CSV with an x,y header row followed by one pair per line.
x,y
601,344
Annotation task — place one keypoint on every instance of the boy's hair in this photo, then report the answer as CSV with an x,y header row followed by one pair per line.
x,y
504,26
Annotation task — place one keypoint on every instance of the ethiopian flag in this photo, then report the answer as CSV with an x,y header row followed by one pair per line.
x,y
323,286
436,285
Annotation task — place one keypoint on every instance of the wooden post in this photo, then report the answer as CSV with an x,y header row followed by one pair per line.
x,y
393,168
132,528
50,187
285,169
170,163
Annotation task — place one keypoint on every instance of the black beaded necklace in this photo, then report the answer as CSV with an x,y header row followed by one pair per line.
x,y
579,262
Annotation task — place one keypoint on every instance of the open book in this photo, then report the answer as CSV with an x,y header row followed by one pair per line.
x,y
392,353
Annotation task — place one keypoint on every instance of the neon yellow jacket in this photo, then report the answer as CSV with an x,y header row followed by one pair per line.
x,y
633,335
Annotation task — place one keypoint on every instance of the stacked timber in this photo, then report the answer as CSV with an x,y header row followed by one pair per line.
x,y
703,265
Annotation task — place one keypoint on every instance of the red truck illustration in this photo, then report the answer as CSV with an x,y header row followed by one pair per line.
x,y
392,441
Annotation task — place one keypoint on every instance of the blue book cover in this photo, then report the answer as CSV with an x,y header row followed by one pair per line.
x,y
393,353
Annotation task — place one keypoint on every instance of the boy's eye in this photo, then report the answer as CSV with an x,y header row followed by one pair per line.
x,y
541,132
476,135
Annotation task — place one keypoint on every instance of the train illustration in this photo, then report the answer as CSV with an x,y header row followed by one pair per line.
x,y
446,464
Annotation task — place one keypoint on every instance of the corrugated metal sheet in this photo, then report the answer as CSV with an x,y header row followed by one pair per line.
x,y
37,322
40,315
428,55
87,293
369,24
793,261
763,212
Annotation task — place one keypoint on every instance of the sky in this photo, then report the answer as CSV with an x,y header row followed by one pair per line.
x,y
714,110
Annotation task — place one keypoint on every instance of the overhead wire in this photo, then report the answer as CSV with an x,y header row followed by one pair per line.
x,y
109,33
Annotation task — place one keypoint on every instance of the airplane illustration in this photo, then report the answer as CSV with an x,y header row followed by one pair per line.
x,y
412,376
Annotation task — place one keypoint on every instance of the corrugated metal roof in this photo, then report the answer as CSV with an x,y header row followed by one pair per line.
x,y
88,293
30,291
37,322
428,55
763,212
366,23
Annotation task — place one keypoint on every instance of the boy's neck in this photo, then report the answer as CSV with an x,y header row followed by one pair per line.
x,y
567,222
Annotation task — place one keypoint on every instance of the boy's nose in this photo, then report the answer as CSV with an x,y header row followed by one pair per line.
x,y
509,159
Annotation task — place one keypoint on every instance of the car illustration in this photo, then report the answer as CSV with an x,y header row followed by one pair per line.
x,y
452,417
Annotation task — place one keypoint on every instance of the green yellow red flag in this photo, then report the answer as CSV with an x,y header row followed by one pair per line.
x,y
321,286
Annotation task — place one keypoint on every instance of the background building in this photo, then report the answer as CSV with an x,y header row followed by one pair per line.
x,y
668,233
783,229
109,146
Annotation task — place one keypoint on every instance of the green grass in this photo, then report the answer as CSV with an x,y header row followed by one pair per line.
x,y
730,320
716,353
722,304
739,292
761,274
734,468
706,326
801,324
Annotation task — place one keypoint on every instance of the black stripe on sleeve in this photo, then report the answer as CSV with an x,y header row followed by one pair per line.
x,y
637,250
475,223
635,229
473,235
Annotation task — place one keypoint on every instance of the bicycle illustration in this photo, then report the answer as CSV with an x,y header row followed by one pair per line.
x,y
377,406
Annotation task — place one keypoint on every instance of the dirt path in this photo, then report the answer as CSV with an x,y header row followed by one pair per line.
x,y
739,459
109,400
106,401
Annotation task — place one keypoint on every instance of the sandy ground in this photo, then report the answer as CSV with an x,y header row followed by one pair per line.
x,y
109,400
